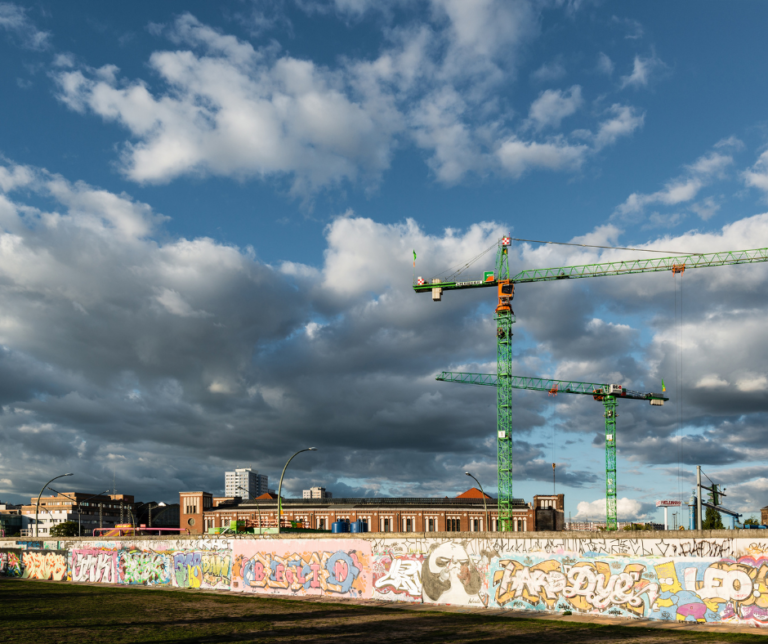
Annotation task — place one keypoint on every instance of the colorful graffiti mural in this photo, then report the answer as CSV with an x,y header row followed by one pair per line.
x,y
94,566
202,569
730,590
397,578
616,587
323,568
10,562
144,568
152,564
44,564
713,580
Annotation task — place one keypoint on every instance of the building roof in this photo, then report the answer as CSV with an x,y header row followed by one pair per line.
x,y
370,502
267,496
473,493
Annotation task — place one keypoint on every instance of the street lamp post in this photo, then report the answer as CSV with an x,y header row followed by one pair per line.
x,y
280,486
253,498
79,505
37,507
485,506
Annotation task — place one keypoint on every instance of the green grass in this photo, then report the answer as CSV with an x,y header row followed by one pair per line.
x,y
39,612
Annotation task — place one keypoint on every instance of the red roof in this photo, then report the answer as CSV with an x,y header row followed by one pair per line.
x,y
267,496
472,493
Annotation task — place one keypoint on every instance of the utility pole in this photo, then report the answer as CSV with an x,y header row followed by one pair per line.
x,y
698,498
101,515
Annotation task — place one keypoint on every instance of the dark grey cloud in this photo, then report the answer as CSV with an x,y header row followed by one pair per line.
x,y
167,361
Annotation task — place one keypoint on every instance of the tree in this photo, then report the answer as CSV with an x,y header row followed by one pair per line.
x,y
712,520
751,521
65,529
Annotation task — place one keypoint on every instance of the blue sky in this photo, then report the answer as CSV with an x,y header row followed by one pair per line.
x,y
208,216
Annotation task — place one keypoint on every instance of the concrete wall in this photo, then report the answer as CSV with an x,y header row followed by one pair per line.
x,y
712,577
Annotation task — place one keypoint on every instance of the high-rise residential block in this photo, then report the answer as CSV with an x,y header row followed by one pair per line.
x,y
245,483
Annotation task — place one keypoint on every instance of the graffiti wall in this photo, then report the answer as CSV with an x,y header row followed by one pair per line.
x,y
474,572
692,580
10,562
303,567
181,565
34,564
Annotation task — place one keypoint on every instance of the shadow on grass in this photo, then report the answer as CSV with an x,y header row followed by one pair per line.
x,y
40,611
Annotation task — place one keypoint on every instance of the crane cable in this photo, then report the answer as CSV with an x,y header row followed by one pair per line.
x,y
450,274
642,250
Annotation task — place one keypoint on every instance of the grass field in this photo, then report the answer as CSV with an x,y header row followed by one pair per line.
x,y
48,613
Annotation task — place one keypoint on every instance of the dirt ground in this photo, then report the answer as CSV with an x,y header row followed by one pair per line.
x,y
49,612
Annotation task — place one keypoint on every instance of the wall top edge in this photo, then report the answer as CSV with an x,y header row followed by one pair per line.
x,y
509,536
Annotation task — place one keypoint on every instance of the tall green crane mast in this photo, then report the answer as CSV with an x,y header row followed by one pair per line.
x,y
608,394
505,318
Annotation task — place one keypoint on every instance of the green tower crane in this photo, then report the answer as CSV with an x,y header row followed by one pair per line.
x,y
505,318
608,394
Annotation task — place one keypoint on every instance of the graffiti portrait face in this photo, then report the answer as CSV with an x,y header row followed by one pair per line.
x,y
448,574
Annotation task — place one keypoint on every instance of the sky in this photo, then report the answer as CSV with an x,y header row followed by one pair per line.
x,y
208,214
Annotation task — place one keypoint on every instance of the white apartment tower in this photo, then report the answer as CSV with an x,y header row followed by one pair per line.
x,y
245,483
317,493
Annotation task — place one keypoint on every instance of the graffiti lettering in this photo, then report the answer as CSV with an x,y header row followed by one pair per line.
x,y
94,566
585,586
44,564
401,576
147,568
319,572
202,569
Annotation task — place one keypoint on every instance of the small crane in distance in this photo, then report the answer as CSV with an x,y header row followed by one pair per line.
x,y
609,395
504,316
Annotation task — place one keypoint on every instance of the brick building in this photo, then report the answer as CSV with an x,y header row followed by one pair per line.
x,y
200,511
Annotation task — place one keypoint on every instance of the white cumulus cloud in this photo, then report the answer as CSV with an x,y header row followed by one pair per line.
x,y
684,188
552,106
642,70
626,510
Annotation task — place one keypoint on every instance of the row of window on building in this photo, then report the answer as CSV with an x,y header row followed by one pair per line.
x,y
389,524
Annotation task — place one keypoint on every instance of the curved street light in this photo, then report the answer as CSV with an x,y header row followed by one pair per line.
x,y
485,507
280,486
37,507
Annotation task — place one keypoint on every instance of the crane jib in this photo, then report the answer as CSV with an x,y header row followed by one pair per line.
x,y
550,385
608,269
